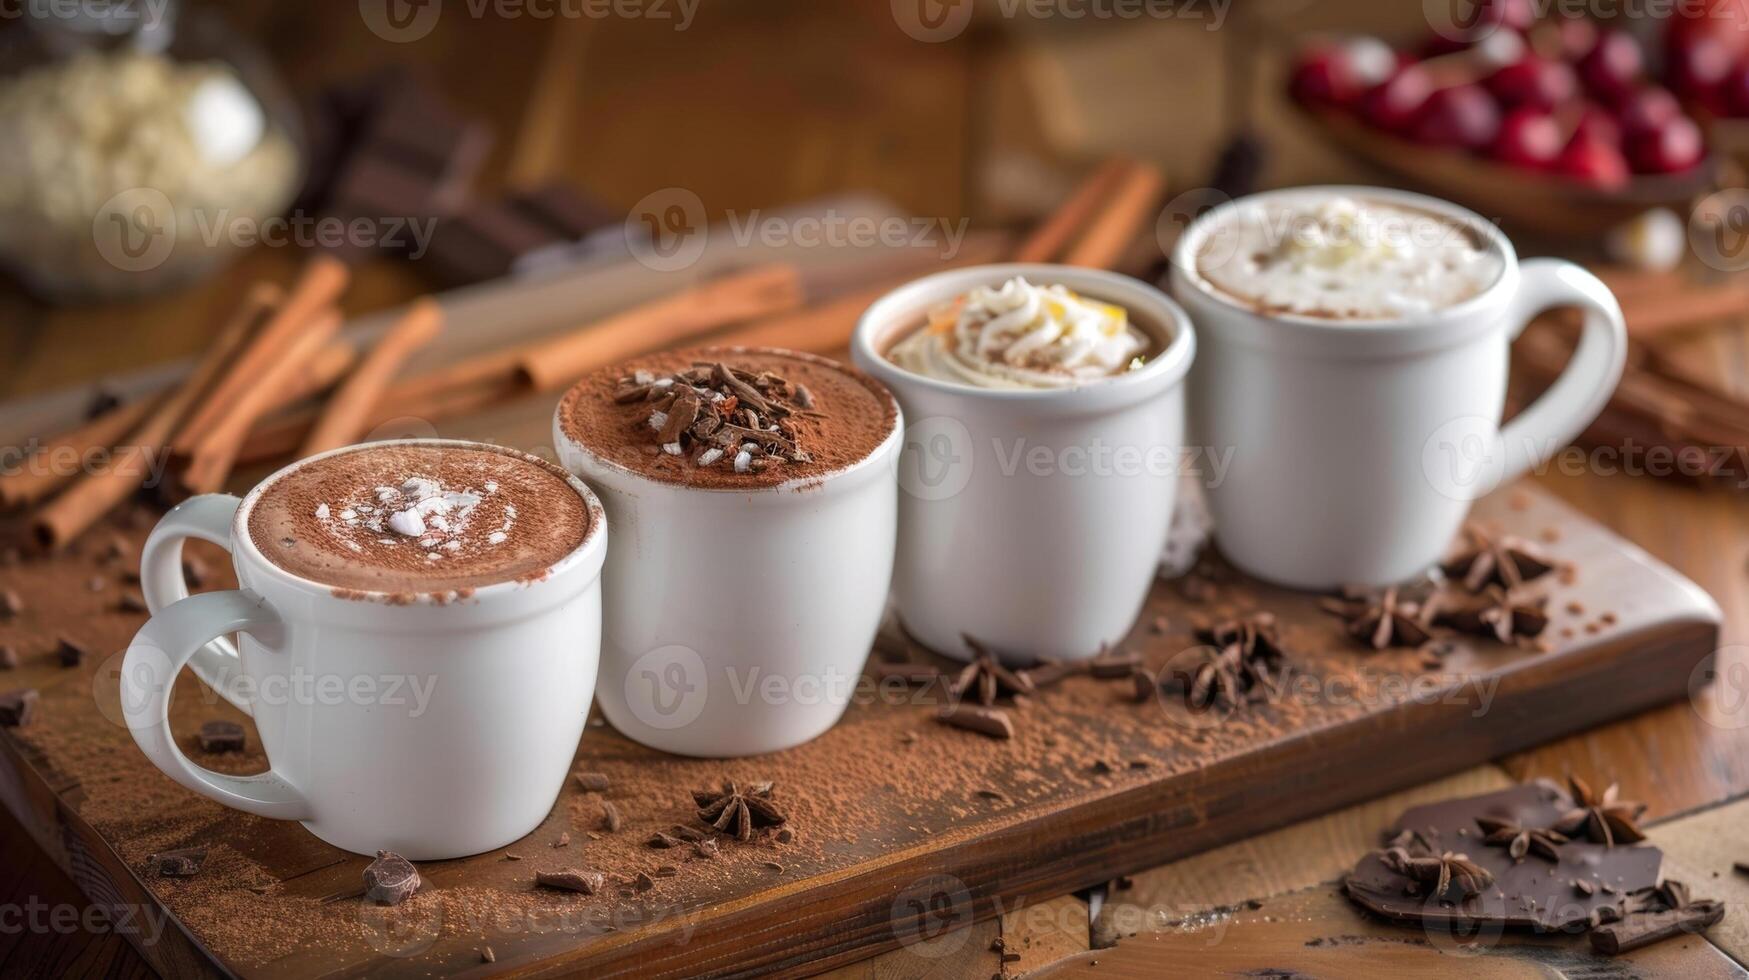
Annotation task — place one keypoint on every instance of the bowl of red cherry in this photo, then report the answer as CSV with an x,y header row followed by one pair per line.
x,y
1560,124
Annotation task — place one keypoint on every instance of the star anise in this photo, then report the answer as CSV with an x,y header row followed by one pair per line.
x,y
1504,615
1443,873
1519,841
1508,562
738,811
986,678
1386,622
1604,819
1667,896
1261,658
1216,677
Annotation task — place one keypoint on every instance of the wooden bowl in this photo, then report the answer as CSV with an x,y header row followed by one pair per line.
x,y
1524,200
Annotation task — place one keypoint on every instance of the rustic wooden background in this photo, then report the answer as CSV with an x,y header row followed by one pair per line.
x,y
762,104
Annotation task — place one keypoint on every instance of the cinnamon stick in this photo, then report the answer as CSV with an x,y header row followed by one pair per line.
x,y
215,453
42,472
327,367
1655,314
762,291
1134,205
345,417
1054,234
92,495
318,287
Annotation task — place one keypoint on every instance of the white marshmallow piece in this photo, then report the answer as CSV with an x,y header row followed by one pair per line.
x,y
224,120
407,523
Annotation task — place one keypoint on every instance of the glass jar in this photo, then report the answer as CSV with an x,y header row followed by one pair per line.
x,y
140,147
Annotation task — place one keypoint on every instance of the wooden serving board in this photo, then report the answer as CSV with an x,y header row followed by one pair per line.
x,y
905,829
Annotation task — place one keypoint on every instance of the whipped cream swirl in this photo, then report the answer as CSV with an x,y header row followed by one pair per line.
x,y
1020,335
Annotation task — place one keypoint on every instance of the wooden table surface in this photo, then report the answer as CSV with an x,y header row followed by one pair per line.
x,y
760,105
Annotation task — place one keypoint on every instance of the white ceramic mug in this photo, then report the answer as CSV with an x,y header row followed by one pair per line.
x,y
1358,446
1032,520
737,621
435,729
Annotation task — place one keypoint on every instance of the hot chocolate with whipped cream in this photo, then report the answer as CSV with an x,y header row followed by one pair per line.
x,y
1022,334
418,518
1341,258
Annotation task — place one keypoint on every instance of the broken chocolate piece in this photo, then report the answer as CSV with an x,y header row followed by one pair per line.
x,y
390,880
1654,915
610,820
993,722
222,736
592,782
706,849
18,708
70,654
662,841
184,863
582,882
738,811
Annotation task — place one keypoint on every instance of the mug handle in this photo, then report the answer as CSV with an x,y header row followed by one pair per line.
x,y
1547,425
168,641
208,517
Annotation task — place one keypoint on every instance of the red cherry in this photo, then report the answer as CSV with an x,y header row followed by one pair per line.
x,y
1594,162
1647,110
1671,148
1338,74
1724,20
1613,68
1462,115
1596,124
1576,36
1698,66
1533,81
1528,138
1396,104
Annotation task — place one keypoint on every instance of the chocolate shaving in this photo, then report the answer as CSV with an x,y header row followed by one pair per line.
x,y
487,956
563,841
706,849
184,863
592,782
1114,666
391,879
993,722
609,817
666,871
582,882
736,811
713,412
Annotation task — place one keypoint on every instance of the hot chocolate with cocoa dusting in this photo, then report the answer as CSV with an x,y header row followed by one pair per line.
x,y
730,418
404,518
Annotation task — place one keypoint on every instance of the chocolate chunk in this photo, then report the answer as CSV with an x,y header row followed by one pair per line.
x,y
993,722
10,604
785,836
8,656
391,879
222,736
662,841
131,602
610,820
18,708
482,241
583,882
563,841
1645,928
644,882
487,956
706,849
592,782
185,863
69,653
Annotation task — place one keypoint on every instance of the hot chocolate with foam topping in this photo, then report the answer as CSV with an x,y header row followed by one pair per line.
x,y
1341,258
416,518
